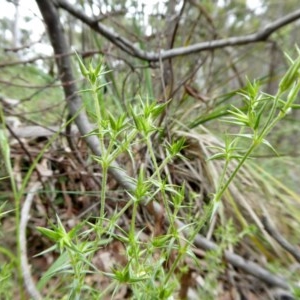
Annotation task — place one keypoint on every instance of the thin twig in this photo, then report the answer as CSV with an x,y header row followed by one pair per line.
x,y
280,239
28,280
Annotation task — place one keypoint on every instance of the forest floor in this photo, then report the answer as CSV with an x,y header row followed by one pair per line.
x,y
70,189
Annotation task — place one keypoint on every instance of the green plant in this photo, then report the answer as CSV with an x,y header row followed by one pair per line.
x,y
5,153
262,113
6,269
215,264
154,266
18,193
145,269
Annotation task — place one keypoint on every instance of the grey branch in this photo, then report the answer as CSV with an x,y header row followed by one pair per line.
x,y
247,266
150,56
28,280
280,239
58,41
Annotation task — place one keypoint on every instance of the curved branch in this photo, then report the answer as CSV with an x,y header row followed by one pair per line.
x,y
127,46
294,251
247,266
28,280
55,31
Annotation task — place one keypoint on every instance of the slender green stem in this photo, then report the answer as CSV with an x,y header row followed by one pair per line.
x,y
78,278
122,211
179,256
125,146
133,218
222,177
232,176
160,167
99,119
189,241
152,155
269,124
103,195
17,196
104,154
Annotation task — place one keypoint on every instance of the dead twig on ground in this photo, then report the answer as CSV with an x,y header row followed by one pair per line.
x,y
28,280
274,233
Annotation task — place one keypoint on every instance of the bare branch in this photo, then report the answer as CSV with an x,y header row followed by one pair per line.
x,y
248,266
280,239
130,48
28,280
